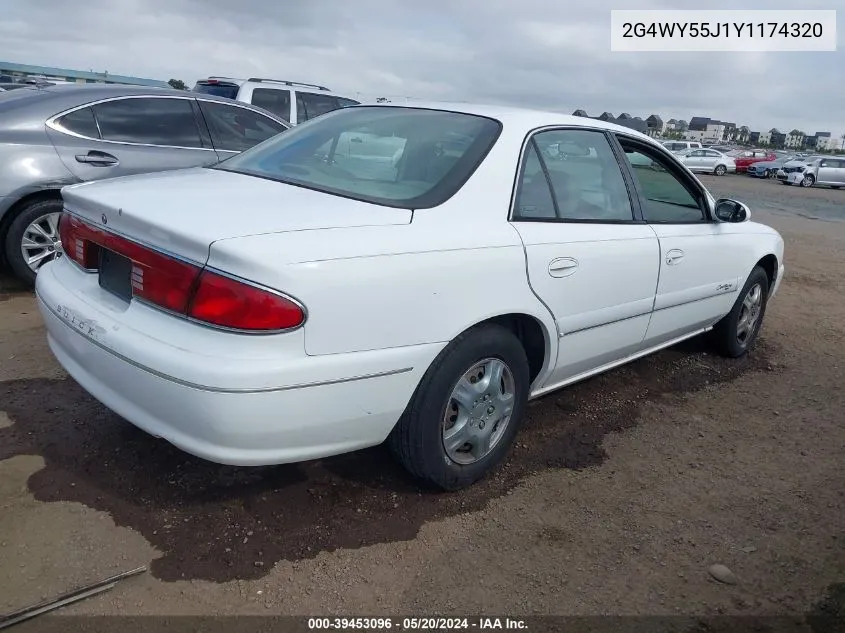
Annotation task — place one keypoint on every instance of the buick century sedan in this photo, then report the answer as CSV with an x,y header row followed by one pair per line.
x,y
409,274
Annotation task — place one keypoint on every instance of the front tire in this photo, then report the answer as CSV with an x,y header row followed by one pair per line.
x,y
466,411
766,173
808,181
721,170
33,238
736,333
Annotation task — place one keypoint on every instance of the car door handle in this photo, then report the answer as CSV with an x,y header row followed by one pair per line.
x,y
97,159
674,257
563,267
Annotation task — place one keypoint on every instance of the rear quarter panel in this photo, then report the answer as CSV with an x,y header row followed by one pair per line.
x,y
28,164
372,288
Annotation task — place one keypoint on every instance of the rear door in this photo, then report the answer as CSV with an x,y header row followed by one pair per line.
x,y
590,259
275,100
312,104
235,128
130,135
709,159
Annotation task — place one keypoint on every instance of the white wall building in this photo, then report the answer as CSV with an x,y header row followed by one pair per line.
x,y
794,139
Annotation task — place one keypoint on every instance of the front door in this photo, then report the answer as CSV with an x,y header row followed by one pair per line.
x,y
699,258
832,172
589,258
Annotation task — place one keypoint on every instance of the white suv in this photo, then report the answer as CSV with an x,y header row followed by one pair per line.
x,y
680,146
293,101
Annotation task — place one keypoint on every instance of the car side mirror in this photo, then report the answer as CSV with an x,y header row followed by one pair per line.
x,y
727,210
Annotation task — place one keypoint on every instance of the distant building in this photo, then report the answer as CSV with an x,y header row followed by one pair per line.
x,y
23,71
625,115
754,138
794,139
580,112
824,141
606,116
777,138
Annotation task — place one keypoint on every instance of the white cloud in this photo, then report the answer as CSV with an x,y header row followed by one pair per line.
x,y
540,53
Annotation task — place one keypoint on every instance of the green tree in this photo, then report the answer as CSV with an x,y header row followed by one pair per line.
x,y
178,84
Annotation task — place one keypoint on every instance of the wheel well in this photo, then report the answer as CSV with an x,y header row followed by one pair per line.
x,y
770,264
531,334
9,216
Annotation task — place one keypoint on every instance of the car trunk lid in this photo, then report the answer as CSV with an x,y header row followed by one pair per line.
x,y
183,212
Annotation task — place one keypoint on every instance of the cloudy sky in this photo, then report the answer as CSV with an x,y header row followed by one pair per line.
x,y
552,54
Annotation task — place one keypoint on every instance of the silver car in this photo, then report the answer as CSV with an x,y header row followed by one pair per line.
x,y
708,161
821,171
55,136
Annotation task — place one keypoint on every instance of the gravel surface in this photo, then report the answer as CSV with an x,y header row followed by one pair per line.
x,y
681,483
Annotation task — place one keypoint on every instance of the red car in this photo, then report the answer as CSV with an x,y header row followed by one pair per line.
x,y
745,157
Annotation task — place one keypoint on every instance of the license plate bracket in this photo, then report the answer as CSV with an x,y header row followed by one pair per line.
x,y
116,274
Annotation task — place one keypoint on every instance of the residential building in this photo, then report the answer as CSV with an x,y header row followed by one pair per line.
x,y
580,112
777,138
754,139
765,138
824,141
21,71
606,116
794,139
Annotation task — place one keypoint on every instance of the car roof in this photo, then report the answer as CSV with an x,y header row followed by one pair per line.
x,y
275,84
50,100
515,116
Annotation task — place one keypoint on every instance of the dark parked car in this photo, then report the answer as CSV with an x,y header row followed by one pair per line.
x,y
54,136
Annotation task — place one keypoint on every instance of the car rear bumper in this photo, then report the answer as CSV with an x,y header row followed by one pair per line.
x,y
248,410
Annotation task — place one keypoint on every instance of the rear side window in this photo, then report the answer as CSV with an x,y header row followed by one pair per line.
x,y
236,129
409,158
228,90
80,122
275,101
315,104
149,121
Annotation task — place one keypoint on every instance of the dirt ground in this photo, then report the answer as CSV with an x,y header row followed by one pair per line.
x,y
621,492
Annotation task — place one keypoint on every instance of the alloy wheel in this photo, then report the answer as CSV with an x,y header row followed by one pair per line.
x,y
41,242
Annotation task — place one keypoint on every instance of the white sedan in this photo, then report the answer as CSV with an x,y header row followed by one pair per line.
x,y
708,161
385,272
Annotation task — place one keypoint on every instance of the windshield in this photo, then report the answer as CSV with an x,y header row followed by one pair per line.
x,y
230,91
400,157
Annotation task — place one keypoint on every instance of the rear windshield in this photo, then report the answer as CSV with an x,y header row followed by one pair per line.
x,y
230,91
410,158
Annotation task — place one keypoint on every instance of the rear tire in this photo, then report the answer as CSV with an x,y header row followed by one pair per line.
x,y
420,437
737,332
20,227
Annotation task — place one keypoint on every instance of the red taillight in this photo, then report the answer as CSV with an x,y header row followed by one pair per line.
x,y
161,280
182,287
75,236
233,304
